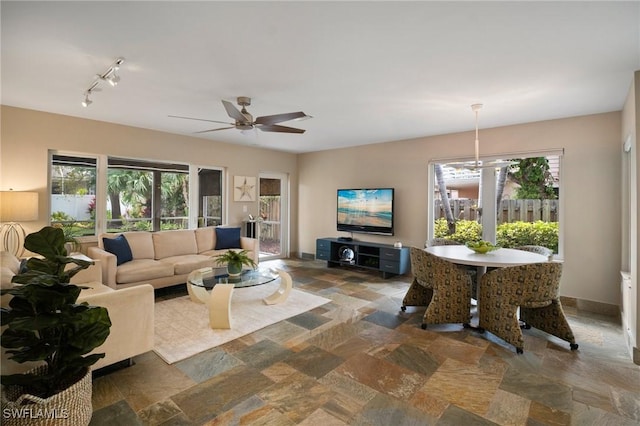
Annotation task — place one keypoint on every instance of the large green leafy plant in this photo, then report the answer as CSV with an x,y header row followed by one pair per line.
x,y
44,321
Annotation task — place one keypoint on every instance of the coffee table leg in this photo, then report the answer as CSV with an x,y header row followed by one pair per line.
x,y
198,294
281,294
220,306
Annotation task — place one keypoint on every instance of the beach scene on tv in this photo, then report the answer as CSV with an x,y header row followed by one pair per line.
x,y
365,207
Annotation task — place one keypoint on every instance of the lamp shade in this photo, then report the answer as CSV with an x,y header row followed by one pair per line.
x,y
17,206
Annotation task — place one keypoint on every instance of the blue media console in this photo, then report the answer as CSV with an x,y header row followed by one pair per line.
x,y
385,258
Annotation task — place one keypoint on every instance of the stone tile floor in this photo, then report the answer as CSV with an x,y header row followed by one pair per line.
x,y
359,360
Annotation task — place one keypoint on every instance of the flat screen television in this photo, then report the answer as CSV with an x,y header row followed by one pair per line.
x,y
368,210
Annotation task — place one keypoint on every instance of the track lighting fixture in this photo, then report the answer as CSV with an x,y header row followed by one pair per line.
x,y
109,76
86,101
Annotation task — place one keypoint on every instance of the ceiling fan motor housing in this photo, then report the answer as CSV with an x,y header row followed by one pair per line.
x,y
244,101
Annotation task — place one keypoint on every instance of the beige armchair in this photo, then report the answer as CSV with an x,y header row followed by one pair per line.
x,y
131,311
443,287
533,288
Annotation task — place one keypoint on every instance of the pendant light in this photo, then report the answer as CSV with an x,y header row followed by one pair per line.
x,y
477,164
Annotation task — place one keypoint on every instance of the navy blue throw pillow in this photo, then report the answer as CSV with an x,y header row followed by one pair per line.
x,y
120,247
227,238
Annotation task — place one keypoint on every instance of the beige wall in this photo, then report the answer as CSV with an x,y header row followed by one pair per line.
x,y
591,168
28,135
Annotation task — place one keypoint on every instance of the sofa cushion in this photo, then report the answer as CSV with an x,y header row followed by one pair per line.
x,y
174,243
188,263
205,238
120,247
227,238
141,270
141,244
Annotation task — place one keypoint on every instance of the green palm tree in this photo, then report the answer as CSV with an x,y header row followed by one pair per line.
x,y
132,186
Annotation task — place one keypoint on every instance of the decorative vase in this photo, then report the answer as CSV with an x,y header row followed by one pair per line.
x,y
234,269
71,407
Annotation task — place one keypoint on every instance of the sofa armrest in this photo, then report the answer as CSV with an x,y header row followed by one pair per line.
x,y
131,311
92,274
108,262
252,245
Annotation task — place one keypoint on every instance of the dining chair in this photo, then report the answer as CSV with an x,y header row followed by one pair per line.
x,y
534,288
443,242
548,253
443,287
471,270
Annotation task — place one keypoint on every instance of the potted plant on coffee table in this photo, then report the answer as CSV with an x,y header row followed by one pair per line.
x,y
45,323
235,259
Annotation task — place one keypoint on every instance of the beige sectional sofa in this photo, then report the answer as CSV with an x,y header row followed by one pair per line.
x,y
131,311
164,258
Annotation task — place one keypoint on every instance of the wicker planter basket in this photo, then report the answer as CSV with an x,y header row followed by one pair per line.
x,y
71,407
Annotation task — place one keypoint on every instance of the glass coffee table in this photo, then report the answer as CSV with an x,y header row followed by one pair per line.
x,y
208,278
221,286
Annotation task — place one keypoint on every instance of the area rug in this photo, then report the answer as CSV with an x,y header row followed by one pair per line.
x,y
182,326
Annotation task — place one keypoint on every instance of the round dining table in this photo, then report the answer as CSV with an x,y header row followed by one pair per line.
x,y
499,258
494,259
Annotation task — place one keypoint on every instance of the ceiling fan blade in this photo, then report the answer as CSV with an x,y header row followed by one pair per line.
x,y
233,111
213,130
278,118
278,128
200,119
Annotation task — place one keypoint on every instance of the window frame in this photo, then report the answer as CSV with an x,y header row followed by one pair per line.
x,y
431,185
102,168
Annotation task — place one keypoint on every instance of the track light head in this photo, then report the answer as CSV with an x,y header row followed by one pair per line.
x,y
86,102
113,79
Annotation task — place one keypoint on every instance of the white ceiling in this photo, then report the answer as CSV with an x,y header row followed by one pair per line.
x,y
367,72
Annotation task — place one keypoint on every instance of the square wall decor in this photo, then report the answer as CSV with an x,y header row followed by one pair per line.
x,y
244,188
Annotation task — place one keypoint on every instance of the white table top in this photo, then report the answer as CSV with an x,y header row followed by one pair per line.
x,y
496,259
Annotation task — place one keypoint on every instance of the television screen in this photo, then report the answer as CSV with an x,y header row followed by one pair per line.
x,y
365,210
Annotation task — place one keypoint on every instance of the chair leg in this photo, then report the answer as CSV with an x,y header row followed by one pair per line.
x,y
417,295
550,319
503,322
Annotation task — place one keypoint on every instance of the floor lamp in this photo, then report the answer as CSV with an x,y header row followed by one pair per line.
x,y
16,207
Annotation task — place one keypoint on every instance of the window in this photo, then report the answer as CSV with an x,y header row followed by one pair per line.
x,y
146,196
73,194
515,205
95,194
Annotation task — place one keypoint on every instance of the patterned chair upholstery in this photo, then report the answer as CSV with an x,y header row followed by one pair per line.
x,y
534,289
443,242
443,287
471,270
548,253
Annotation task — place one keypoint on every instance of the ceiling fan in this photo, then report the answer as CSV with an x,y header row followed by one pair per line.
x,y
245,121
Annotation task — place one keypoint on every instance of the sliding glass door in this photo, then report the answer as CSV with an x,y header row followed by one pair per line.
x,y
274,219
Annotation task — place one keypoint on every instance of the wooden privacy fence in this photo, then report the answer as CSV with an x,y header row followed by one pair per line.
x,y
509,210
270,212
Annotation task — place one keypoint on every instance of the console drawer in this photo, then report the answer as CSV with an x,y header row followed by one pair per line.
x,y
323,255
323,245
390,254
389,266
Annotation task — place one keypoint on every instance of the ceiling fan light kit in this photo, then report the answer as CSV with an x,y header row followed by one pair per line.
x,y
110,76
243,120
